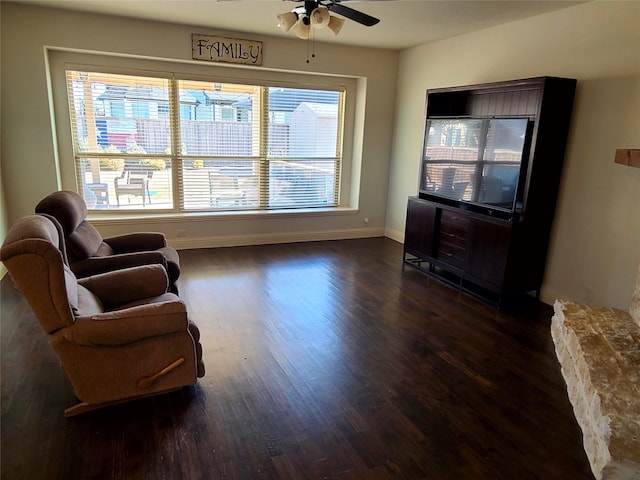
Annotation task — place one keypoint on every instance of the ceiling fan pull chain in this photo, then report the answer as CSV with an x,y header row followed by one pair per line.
x,y
313,45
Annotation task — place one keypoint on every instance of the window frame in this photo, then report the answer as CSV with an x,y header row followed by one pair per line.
x,y
61,60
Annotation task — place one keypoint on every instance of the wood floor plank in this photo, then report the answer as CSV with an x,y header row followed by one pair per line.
x,y
325,360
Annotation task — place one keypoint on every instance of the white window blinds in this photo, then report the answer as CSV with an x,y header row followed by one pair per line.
x,y
154,143
303,129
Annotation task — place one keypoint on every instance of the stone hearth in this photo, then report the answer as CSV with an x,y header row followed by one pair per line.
x,y
599,353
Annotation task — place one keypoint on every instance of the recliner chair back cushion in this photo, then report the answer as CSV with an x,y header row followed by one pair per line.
x,y
83,240
86,242
32,256
67,207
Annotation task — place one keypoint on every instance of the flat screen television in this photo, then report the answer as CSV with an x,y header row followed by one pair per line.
x,y
476,163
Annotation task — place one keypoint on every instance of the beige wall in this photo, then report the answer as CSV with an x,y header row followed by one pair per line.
x,y
29,150
596,239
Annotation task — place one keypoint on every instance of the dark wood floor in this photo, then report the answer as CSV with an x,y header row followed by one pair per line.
x,y
327,360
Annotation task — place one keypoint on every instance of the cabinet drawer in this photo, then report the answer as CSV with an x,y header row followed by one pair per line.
x,y
453,224
452,239
454,229
452,254
456,239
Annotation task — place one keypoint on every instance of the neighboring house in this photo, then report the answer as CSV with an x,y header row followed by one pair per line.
x,y
127,117
121,113
311,117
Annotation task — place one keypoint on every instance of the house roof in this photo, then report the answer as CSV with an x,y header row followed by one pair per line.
x,y
320,109
144,94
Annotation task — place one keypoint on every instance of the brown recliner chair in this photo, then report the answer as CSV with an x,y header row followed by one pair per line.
x,y
118,335
89,253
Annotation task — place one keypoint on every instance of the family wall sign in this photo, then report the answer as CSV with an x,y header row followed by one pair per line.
x,y
227,50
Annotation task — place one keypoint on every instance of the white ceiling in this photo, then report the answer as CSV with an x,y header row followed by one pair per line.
x,y
404,23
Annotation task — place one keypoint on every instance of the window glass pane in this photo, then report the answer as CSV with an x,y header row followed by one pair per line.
x,y
122,141
302,183
125,183
219,120
119,113
303,147
221,184
230,146
303,123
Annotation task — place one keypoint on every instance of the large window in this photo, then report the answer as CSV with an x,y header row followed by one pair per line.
x,y
184,145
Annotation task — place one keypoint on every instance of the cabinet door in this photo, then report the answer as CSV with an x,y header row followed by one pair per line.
x,y
487,252
418,235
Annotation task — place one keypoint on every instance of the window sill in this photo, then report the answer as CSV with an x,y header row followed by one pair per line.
x,y
114,218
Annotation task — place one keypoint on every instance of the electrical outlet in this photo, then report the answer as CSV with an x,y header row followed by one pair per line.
x,y
181,233
367,220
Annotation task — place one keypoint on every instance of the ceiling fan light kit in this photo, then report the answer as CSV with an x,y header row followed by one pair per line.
x,y
320,17
335,25
302,29
316,15
287,20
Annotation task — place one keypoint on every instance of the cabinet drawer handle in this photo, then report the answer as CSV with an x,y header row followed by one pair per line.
x,y
450,235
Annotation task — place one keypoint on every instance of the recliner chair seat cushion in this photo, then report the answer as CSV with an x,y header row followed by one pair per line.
x,y
104,250
88,303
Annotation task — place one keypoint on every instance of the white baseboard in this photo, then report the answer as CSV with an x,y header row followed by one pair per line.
x,y
397,235
271,238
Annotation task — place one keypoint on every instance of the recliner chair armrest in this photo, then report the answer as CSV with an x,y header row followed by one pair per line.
x,y
96,265
136,242
129,325
127,285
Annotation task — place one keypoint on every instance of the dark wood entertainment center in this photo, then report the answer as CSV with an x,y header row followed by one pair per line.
x,y
495,253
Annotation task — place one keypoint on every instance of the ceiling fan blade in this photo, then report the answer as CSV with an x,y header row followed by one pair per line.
x,y
350,13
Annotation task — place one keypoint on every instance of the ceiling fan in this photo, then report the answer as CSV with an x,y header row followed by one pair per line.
x,y
316,14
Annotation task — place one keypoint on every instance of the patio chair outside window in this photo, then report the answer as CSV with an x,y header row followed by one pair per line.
x,y
133,181
224,191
